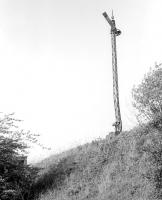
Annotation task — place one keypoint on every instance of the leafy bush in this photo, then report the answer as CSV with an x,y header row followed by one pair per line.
x,y
148,97
16,177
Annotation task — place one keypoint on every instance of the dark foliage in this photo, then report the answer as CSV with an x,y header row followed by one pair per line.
x,y
16,177
55,176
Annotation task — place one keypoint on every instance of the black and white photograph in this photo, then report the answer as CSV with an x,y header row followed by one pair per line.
x,y
80,100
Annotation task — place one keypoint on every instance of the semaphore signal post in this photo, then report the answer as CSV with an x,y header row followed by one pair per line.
x,y
115,32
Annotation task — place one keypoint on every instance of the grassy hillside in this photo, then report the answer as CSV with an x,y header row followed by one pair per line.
x,y
123,167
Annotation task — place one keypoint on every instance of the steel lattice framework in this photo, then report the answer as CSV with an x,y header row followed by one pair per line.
x,y
115,32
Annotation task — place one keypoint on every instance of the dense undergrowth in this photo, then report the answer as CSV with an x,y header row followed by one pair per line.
x,y
123,167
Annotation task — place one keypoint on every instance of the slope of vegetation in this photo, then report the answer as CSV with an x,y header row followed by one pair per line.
x,y
127,166
123,167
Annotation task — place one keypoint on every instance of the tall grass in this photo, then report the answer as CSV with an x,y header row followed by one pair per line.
x,y
125,167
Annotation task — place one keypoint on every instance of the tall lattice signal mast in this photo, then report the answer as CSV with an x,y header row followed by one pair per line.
x,y
115,32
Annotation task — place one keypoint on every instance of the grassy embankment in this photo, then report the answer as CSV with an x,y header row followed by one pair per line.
x,y
123,167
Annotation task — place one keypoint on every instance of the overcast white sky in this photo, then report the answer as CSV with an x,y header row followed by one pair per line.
x,y
55,65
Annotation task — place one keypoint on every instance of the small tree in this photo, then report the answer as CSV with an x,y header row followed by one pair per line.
x,y
16,177
148,97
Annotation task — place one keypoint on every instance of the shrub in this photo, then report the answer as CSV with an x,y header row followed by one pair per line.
x,y
16,177
148,97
